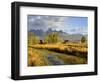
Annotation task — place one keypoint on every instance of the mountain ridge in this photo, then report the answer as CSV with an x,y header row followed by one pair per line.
x,y
63,35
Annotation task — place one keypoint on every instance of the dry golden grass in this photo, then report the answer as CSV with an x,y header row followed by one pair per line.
x,y
37,52
35,58
72,59
78,48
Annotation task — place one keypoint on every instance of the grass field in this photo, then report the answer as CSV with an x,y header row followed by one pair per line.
x,y
57,54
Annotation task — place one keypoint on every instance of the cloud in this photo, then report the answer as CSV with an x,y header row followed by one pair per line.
x,y
71,25
78,30
46,22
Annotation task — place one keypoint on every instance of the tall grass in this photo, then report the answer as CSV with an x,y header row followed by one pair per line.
x,y
70,53
71,48
35,58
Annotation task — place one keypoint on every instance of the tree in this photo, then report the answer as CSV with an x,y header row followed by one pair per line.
x,y
47,39
32,38
52,37
83,39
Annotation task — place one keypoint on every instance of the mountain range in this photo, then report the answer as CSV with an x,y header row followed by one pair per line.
x,y
63,35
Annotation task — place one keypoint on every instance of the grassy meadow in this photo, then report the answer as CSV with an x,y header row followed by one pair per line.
x,y
57,53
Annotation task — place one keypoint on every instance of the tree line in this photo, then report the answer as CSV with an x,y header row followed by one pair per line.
x,y
52,37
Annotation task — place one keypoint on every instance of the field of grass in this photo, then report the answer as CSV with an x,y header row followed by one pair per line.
x,y
57,54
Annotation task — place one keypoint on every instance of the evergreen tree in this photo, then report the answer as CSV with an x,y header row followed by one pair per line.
x,y
83,39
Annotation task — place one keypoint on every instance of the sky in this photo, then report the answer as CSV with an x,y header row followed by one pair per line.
x,y
68,24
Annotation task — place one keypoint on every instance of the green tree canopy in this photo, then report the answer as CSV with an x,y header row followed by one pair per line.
x,y
83,39
52,37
